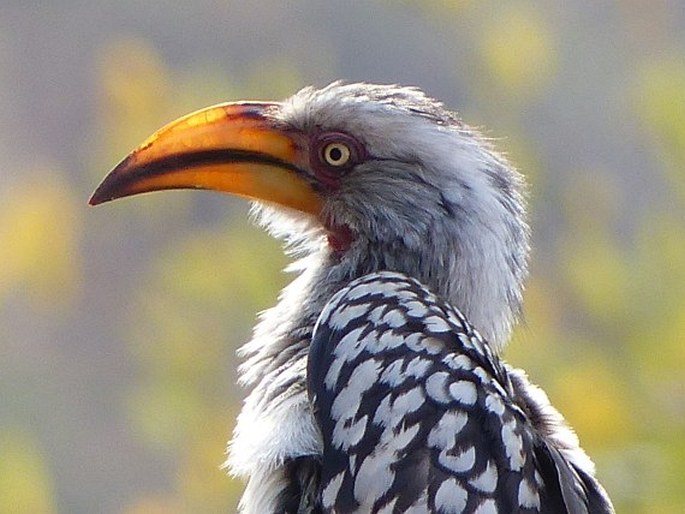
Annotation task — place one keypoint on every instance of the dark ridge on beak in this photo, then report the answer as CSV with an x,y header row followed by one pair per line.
x,y
126,171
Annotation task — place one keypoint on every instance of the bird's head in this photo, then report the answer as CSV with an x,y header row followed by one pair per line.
x,y
376,177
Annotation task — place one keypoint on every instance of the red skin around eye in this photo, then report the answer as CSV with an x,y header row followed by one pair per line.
x,y
340,237
330,176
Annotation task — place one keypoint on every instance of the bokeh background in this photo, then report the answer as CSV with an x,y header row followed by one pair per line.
x,y
118,325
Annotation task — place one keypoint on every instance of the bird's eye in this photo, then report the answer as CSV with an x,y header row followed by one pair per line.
x,y
333,155
336,154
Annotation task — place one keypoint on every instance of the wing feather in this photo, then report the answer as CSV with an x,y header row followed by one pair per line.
x,y
418,415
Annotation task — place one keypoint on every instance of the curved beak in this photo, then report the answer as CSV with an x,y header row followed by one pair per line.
x,y
234,148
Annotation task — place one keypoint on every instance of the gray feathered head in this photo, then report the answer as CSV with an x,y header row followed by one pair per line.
x,y
371,176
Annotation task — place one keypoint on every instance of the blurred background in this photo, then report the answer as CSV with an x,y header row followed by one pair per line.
x,y
119,325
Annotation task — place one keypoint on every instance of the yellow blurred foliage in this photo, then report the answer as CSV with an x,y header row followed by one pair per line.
x,y
215,266
665,365
202,293
594,265
518,50
438,9
202,289
153,504
660,253
25,483
597,274
594,400
533,343
202,85
659,100
40,230
134,84
591,202
171,342
273,78
164,412
202,483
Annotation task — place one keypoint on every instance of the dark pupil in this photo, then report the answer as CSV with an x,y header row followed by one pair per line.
x,y
335,154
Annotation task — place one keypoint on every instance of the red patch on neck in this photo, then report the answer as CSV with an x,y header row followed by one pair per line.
x,y
340,237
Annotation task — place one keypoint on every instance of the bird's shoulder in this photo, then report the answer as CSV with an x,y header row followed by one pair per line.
x,y
417,414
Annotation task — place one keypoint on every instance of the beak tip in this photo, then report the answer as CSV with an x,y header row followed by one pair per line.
x,y
110,188
97,198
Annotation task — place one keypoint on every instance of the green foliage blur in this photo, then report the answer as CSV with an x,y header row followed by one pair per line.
x,y
119,326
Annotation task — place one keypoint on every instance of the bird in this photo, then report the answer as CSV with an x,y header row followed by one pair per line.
x,y
376,382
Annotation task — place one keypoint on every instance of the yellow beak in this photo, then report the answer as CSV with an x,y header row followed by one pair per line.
x,y
235,148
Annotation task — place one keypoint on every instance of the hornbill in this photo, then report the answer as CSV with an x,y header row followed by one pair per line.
x,y
375,383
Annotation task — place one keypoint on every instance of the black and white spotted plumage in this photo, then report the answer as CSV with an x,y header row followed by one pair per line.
x,y
417,415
